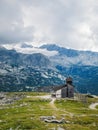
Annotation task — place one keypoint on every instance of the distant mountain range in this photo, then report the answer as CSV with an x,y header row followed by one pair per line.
x,y
67,57
38,72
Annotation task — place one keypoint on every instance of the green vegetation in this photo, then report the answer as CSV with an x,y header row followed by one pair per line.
x,y
25,114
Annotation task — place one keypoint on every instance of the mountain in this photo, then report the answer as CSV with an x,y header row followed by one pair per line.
x,y
13,58
81,65
38,72
24,45
61,50
84,77
26,72
69,57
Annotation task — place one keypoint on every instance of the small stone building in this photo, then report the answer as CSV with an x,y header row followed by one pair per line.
x,y
66,90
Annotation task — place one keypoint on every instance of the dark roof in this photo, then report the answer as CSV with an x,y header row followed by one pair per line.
x,y
59,87
62,86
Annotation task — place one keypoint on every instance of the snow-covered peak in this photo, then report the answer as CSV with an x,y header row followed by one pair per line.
x,y
29,49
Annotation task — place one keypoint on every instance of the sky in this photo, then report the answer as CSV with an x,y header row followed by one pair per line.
x,y
68,23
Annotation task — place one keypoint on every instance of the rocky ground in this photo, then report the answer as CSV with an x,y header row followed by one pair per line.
x,y
8,99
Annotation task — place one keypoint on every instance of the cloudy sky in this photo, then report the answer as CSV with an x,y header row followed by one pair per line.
x,y
68,23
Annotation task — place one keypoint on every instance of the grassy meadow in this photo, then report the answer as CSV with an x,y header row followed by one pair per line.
x,y
25,114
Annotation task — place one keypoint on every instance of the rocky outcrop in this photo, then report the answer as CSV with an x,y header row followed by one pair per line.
x,y
5,99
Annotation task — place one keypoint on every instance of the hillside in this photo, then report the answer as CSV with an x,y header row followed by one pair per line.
x,y
38,72
68,57
38,111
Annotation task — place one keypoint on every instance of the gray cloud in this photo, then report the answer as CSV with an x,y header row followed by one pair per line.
x,y
70,23
12,27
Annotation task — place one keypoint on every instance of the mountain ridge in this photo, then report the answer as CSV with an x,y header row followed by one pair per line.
x,y
68,57
28,72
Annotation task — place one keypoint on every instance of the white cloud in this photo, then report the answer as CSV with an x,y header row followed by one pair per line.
x,y
70,23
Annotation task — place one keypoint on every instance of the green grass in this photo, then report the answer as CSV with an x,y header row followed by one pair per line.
x,y
75,107
25,114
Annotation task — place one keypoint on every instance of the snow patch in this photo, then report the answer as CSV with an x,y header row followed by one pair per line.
x,y
45,76
28,50
3,71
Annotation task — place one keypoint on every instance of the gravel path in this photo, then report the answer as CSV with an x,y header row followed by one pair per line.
x,y
52,103
93,106
49,97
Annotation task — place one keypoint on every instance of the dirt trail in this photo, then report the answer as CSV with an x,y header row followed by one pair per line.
x,y
52,103
43,97
51,98
93,106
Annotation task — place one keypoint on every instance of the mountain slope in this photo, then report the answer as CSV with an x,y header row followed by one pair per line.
x,y
26,72
61,50
69,57
32,72
81,65
84,77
